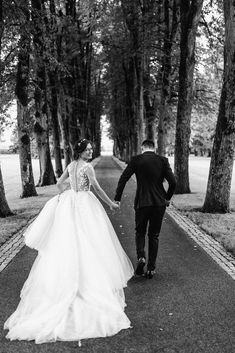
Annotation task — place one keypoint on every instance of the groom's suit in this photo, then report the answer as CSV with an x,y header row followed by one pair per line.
x,y
151,198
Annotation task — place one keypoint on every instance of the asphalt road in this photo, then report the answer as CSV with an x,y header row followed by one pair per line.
x,y
188,307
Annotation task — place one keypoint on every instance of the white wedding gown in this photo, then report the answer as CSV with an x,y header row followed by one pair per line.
x,y
75,287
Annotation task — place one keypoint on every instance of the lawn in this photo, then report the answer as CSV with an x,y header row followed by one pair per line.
x,y
220,226
24,209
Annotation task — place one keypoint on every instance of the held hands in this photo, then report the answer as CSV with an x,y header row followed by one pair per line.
x,y
58,199
167,203
114,205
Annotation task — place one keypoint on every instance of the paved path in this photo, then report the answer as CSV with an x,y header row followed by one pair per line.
x,y
188,307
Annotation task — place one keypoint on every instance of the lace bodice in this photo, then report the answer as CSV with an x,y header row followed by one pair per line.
x,y
79,181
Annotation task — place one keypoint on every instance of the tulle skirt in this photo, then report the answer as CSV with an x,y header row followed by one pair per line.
x,y
75,287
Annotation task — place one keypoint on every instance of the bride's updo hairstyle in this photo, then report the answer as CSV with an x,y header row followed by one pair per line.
x,y
80,147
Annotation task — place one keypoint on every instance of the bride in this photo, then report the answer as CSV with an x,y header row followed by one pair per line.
x,y
75,287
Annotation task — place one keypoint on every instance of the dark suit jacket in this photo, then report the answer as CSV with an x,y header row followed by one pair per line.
x,y
150,170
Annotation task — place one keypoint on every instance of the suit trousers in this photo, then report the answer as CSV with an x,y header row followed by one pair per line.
x,y
148,220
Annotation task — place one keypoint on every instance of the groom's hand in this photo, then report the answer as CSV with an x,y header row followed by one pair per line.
x,y
118,203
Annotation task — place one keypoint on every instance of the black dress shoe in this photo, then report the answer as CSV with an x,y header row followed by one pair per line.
x,y
149,274
140,267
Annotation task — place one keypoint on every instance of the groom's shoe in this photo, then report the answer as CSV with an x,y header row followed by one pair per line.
x,y
149,274
140,267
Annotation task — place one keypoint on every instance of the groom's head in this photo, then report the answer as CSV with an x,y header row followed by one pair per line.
x,y
147,145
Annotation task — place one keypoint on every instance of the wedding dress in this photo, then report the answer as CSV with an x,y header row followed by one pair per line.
x,y
75,287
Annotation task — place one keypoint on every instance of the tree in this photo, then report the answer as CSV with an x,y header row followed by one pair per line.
x,y
4,208
117,76
219,182
190,11
133,14
59,78
76,53
23,118
52,29
41,126
171,20
129,48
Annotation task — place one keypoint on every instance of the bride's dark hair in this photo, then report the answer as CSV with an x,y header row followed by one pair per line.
x,y
80,147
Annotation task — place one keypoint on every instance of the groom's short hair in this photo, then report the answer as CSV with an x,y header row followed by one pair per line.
x,y
148,144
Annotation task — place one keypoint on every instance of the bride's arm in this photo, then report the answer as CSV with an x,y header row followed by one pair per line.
x,y
60,183
98,189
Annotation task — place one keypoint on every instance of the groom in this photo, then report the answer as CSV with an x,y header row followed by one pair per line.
x,y
151,200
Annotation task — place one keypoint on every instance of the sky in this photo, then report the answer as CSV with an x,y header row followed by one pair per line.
x,y
106,142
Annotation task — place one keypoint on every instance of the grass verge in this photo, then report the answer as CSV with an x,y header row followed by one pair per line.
x,y
220,226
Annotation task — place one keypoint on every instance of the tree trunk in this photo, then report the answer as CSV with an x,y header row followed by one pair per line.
x,y
134,19
23,118
130,123
72,81
83,86
150,116
64,126
190,12
95,110
1,25
140,99
62,113
171,19
51,24
47,176
4,208
222,159
71,104
41,127
27,179
55,124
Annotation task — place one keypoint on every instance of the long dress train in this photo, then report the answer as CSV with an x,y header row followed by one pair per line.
x,y
75,287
